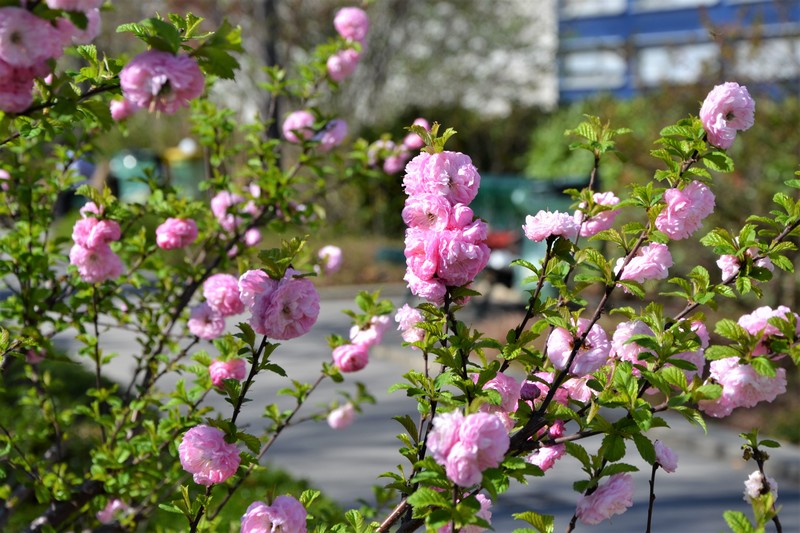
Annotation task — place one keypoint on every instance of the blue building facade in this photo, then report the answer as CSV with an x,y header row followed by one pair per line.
x,y
625,47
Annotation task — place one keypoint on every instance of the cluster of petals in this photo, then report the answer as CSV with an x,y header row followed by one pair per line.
x,y
730,264
590,357
728,108
412,141
176,233
113,511
485,512
756,486
685,210
342,416
204,453
331,135
71,34
696,357
371,333
509,389
601,221
666,457
742,386
330,258
205,322
299,126
650,262
352,23
91,253
407,318
467,445
351,357
623,348
546,456
445,245
221,291
546,224
757,323
160,81
342,64
226,207
286,514
286,309
613,497
232,369
572,389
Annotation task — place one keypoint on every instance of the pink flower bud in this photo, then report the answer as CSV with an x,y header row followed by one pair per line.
x,y
351,357
342,416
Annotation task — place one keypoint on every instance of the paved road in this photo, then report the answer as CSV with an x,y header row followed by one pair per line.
x,y
345,464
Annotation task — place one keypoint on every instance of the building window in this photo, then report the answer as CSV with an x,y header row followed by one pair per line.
x,y
597,69
661,5
591,8
674,64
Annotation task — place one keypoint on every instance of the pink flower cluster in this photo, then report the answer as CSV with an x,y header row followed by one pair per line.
x,y
600,221
742,386
685,210
650,262
352,23
546,456
394,156
221,370
467,445
286,514
592,355
610,498
231,209
160,81
730,265
298,126
407,318
91,252
354,356
281,309
205,454
728,108
756,323
176,233
444,245
485,512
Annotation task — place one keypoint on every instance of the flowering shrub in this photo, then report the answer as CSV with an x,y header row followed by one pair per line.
x,y
493,411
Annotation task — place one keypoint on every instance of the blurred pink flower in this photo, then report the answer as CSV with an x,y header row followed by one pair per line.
x,y
205,454
330,258
412,141
371,334
610,498
666,457
352,23
331,135
231,369
285,515
343,63
298,123
351,357
113,511
206,322
342,416
25,39
727,109
122,109
160,81
407,319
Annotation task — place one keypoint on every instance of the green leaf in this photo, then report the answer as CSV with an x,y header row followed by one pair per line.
x,y
738,522
425,497
613,447
645,447
543,523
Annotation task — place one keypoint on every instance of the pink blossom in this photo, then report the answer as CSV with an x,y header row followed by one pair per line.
x,y
160,81
287,312
543,382
351,357
331,258
395,162
448,174
331,135
407,319
650,262
26,39
74,5
71,34
755,486
756,323
16,88
122,109
546,456
252,283
412,141
485,438
485,513
252,237
727,109
461,466
205,454
612,497
589,358
460,258
629,351
222,370
578,390
176,233
113,511
742,386
507,386
372,333
221,291
432,290
96,265
343,63
93,233
730,265
91,208
221,205
427,211
550,224
286,514
206,322
342,416
666,457
444,434
352,23
34,357
602,220
298,123
685,210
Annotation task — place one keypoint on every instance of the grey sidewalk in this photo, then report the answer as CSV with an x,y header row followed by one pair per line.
x,y
345,464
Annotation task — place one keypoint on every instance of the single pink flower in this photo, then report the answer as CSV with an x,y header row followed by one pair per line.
x,y
71,34
727,109
546,456
650,262
288,311
331,258
206,322
742,386
550,224
96,265
486,436
407,319
252,237
342,416
205,454
460,258
252,283
351,357
285,515
221,291
298,125
448,174
610,498
396,162
602,220
666,457
412,141
331,135
176,233
113,511
756,485
371,334
231,369
122,109
352,23
685,210
508,388
160,81
427,211
25,39
589,358
343,63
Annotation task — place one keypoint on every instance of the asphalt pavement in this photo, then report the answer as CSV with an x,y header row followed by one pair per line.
x,y
345,464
